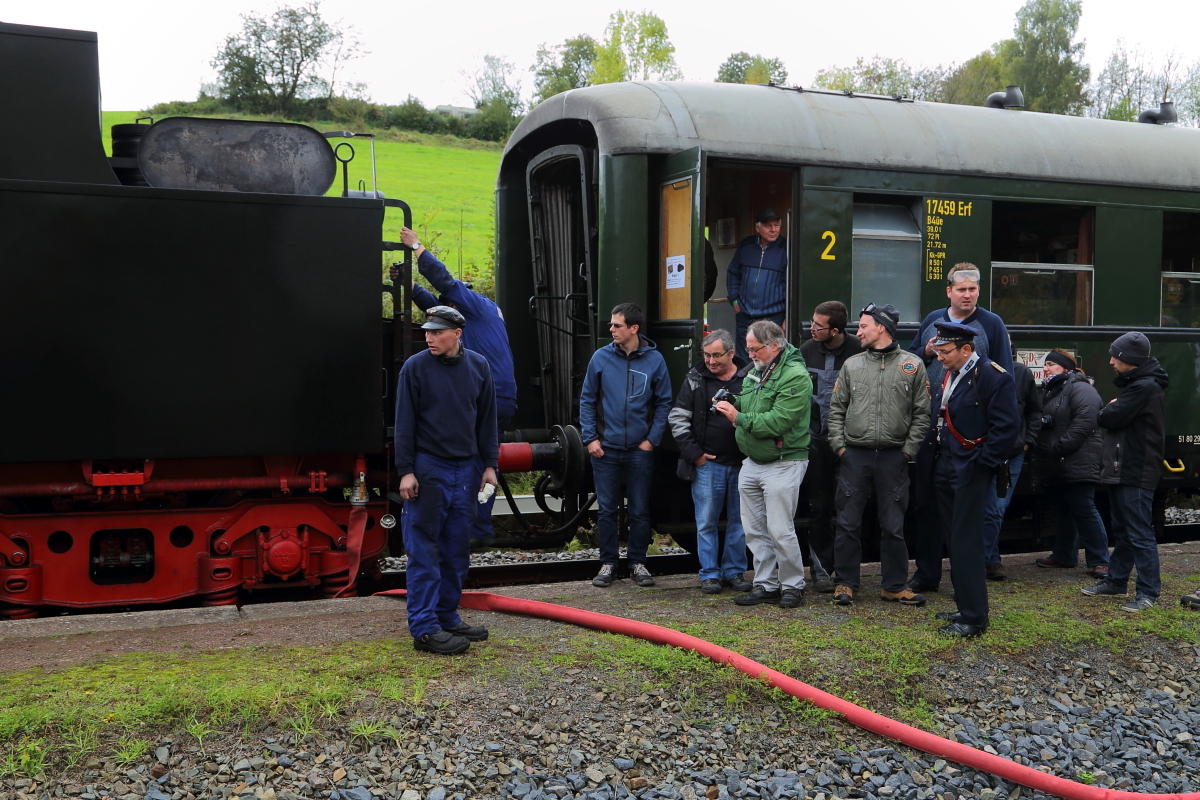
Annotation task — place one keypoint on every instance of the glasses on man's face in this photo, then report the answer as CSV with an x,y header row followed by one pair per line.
x,y
717,356
754,350
617,325
816,326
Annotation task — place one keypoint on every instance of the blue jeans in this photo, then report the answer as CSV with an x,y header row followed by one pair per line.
x,y
1133,539
435,526
1076,521
482,529
743,324
715,487
994,508
633,468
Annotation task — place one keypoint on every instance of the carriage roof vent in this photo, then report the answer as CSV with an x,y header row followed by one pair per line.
x,y
1011,97
1164,114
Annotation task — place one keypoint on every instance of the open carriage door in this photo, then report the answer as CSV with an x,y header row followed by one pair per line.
x,y
676,321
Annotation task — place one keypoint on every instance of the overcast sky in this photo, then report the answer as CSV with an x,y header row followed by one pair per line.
x,y
155,51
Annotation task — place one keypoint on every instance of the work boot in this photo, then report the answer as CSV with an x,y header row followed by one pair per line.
x,y
758,595
995,572
605,576
791,598
710,586
739,583
641,576
472,633
905,597
443,643
843,596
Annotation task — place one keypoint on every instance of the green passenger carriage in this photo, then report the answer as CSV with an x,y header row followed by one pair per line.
x,y
1083,229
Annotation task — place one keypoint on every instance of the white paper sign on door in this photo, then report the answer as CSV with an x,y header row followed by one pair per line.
x,y
676,272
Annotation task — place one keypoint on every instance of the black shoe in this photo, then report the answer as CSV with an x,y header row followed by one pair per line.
x,y
996,572
791,598
740,584
949,616
710,586
962,630
641,576
442,643
605,576
472,633
758,595
1106,588
921,588
824,586
1191,600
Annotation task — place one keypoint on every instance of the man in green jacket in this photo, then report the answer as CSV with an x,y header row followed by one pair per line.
x,y
878,416
770,417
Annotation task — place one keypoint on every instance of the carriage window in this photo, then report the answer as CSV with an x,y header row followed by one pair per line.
x,y
1042,294
887,259
1042,233
1181,270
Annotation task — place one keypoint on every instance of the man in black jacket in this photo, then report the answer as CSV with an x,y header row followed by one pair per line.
x,y
1029,409
709,454
1134,442
824,355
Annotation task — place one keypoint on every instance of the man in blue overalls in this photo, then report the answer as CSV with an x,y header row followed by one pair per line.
x,y
446,453
975,423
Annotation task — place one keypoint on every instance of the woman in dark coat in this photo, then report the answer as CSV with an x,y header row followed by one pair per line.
x,y
1068,465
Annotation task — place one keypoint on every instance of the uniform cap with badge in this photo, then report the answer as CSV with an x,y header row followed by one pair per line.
x,y
440,318
955,333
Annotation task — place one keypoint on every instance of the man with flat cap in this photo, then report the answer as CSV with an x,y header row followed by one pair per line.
x,y
756,278
975,423
446,453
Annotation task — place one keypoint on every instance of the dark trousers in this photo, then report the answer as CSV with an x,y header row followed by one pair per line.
x,y
743,324
820,483
887,472
928,541
1133,540
482,529
436,525
633,468
1076,521
961,510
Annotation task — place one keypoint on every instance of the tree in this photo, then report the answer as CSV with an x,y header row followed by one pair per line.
x,y
886,76
972,82
494,81
636,47
564,66
745,68
275,60
1044,59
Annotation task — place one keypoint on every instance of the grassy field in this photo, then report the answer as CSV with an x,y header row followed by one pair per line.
x,y
449,189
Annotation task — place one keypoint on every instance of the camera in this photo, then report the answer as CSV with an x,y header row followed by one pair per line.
x,y
722,394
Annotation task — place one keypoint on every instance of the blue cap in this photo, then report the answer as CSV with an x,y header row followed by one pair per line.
x,y
954,333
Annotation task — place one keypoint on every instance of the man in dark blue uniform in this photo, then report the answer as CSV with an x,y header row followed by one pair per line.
x,y
975,423
446,452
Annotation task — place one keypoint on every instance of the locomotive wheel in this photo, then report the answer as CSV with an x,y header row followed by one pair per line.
x,y
332,584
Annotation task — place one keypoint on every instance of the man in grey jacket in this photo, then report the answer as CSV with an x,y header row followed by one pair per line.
x,y
878,415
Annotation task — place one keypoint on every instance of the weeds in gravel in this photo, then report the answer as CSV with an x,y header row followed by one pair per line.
x,y
26,758
130,749
198,730
367,730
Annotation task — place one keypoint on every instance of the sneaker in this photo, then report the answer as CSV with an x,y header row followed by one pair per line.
x,y
739,583
641,576
824,586
1105,587
995,572
1191,600
443,643
1139,604
905,597
1051,562
791,598
605,576
1099,572
710,586
758,595
843,596
472,633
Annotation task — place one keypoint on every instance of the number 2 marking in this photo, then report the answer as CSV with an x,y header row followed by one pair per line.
x,y
828,256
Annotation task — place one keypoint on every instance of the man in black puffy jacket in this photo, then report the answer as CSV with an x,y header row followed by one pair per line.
x,y
1134,443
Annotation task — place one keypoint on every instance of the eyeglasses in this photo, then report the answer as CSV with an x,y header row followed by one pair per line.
x,y
617,325
717,356
815,326
754,350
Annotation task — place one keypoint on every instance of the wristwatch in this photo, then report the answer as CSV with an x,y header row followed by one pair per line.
x,y
416,245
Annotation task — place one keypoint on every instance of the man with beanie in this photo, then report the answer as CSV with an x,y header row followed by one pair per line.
x,y
756,278
878,415
1134,443
824,355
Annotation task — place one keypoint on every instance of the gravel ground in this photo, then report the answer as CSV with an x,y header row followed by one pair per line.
x,y
1124,720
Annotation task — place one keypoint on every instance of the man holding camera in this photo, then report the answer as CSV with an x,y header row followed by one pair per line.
x,y
975,426
709,457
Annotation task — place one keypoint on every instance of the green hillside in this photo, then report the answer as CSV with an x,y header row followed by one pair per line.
x,y
437,181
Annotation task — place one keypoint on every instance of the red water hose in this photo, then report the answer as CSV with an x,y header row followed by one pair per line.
x,y
856,715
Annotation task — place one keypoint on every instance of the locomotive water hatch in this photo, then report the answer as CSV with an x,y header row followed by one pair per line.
x,y
119,556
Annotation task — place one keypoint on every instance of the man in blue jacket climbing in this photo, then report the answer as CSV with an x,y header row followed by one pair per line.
x,y
484,333
623,411
756,278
